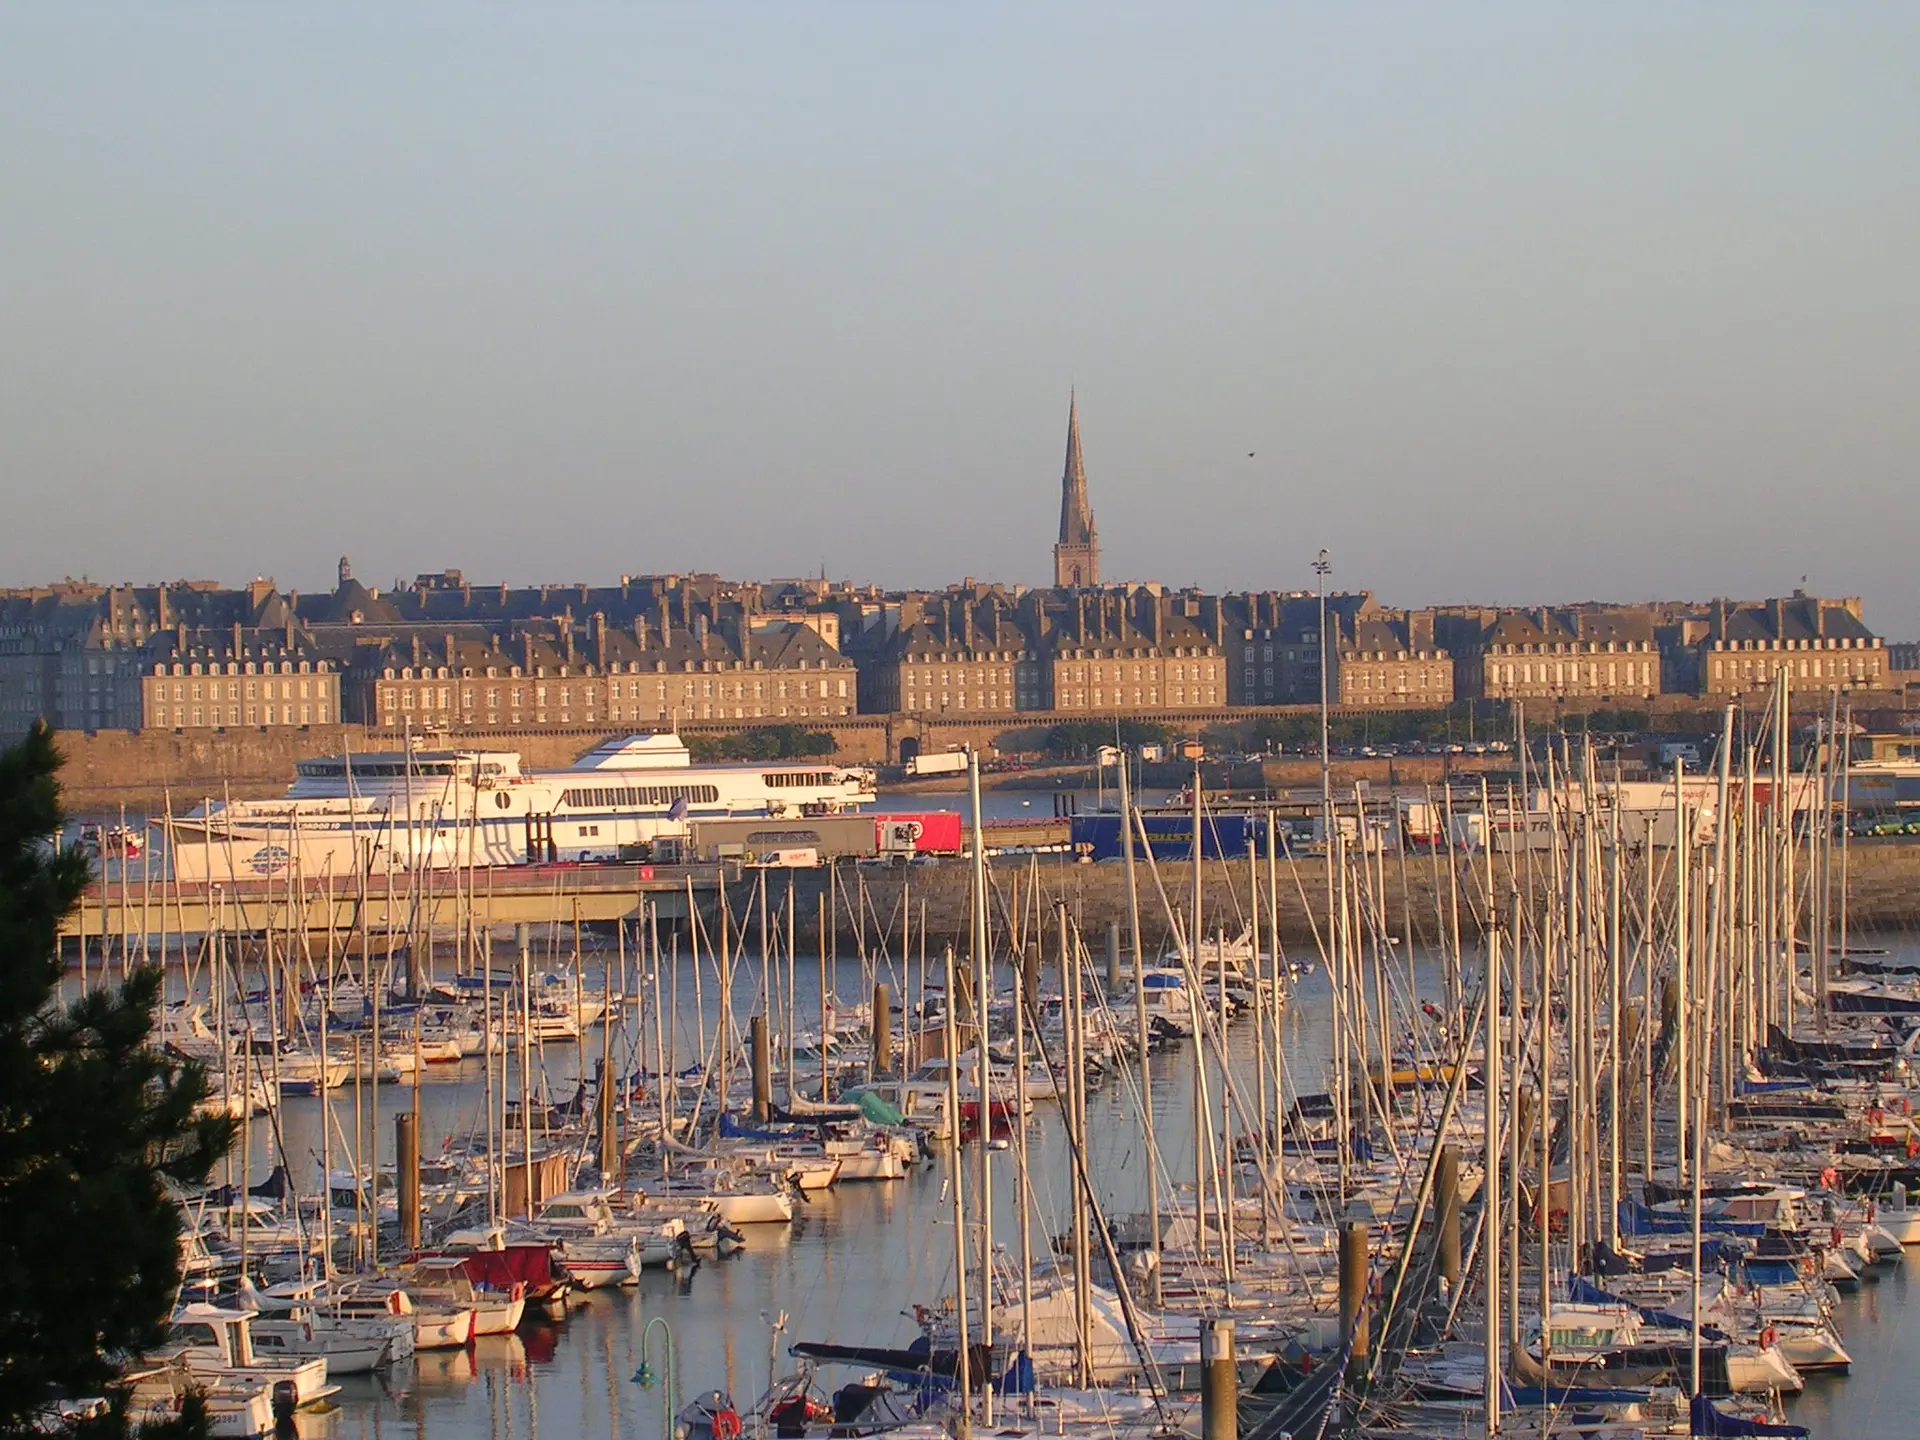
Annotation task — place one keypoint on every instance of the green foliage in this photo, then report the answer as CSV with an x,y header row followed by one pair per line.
x,y
93,1124
1076,739
764,742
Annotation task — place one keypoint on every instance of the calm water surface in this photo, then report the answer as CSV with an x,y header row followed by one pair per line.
x,y
858,1258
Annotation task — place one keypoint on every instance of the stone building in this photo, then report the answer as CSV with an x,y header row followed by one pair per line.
x,y
1076,556
1821,644
1132,649
1390,658
76,654
235,678
600,675
1602,654
970,651
1272,640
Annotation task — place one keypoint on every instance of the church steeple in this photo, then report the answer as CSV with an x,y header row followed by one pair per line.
x,y
1076,557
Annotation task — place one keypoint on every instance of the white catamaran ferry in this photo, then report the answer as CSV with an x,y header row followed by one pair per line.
x,y
441,809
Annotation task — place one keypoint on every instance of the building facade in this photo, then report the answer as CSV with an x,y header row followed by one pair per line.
x,y
242,678
1818,644
966,652
1119,650
603,676
1390,658
1590,655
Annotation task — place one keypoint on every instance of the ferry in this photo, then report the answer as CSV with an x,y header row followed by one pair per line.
x,y
445,809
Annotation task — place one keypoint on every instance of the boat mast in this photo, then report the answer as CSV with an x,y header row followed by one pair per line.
x,y
1150,1150
963,1420
982,996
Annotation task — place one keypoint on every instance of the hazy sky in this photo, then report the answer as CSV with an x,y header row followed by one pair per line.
x,y
1510,303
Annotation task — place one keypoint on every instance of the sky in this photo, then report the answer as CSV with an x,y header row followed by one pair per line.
x,y
1502,304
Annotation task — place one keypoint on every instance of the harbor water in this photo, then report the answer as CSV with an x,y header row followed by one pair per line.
x,y
858,1258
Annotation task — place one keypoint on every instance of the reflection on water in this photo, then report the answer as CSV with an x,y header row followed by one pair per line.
x,y
857,1259
849,1268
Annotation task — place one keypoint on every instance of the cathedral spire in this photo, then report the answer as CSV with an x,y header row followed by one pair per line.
x,y
1076,558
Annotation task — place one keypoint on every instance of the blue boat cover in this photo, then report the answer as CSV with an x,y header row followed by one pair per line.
x,y
1711,1422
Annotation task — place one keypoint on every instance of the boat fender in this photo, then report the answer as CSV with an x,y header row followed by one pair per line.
x,y
1834,1237
726,1425
1877,1116
1767,1338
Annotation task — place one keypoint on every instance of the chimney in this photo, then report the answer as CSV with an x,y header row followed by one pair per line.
x,y
966,625
416,651
700,632
526,651
1777,613
1156,616
1719,620
1211,618
238,644
447,640
566,637
640,631
600,638
162,611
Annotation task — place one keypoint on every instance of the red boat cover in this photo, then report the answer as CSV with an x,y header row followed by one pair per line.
x,y
528,1265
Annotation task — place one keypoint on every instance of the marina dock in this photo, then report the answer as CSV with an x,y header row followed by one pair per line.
x,y
425,901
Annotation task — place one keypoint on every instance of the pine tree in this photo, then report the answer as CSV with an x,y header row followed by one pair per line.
x,y
94,1124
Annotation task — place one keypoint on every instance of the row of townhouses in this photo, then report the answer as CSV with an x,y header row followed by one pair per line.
x,y
441,653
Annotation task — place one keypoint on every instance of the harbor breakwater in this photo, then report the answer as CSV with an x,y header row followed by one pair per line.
x,y
1883,894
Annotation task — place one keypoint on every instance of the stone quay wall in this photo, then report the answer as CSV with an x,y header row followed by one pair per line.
x,y
1883,883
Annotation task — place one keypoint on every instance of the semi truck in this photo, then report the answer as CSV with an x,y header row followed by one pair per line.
x,y
939,762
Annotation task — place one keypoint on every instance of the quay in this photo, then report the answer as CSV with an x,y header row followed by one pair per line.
x,y
1883,885
425,900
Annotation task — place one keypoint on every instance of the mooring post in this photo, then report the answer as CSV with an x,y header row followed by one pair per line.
x,y
1353,1287
406,1161
762,1069
881,1028
1447,1213
1219,1382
